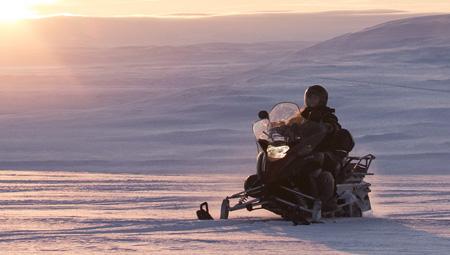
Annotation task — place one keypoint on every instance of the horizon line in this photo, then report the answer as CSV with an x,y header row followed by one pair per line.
x,y
212,15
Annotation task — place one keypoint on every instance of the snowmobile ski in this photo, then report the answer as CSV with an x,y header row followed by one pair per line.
x,y
203,213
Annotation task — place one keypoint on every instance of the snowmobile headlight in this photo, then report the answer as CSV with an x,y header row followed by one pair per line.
x,y
277,152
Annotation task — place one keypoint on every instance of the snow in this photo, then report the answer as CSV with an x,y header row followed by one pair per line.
x,y
94,213
429,32
126,141
178,109
197,117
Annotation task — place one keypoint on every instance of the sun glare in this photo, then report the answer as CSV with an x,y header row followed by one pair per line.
x,y
13,10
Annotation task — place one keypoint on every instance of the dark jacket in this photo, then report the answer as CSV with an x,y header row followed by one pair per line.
x,y
338,143
322,114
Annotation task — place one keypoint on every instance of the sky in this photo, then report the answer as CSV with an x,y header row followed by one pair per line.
x,y
196,8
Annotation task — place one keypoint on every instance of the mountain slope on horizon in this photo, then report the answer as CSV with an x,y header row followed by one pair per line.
x,y
411,38
66,31
205,53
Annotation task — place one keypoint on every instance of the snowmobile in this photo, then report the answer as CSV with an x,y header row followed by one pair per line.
x,y
272,187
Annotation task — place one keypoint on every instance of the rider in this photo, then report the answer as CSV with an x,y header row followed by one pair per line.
x,y
327,159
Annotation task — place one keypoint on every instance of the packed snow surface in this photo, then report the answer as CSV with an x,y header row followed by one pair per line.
x,y
87,213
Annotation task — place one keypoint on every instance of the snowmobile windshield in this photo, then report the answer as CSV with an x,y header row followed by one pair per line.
x,y
285,114
282,114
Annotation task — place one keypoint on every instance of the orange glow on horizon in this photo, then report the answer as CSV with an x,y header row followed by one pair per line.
x,y
205,8
14,10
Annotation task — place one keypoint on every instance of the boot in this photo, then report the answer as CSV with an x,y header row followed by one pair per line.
x,y
326,188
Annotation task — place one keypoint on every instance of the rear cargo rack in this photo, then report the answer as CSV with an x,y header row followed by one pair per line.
x,y
360,164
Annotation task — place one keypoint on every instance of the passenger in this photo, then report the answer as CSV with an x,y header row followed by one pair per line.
x,y
329,155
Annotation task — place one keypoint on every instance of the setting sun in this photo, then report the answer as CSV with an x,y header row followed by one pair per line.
x,y
12,10
19,9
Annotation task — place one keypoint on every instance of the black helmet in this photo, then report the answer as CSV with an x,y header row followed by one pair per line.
x,y
316,95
